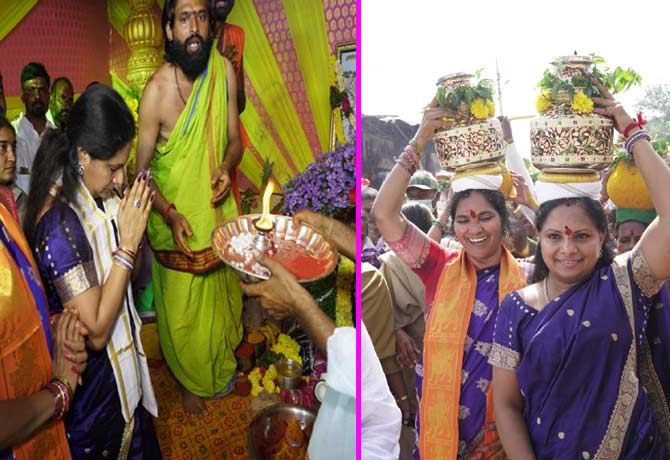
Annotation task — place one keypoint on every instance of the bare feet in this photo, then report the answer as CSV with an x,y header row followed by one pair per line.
x,y
193,405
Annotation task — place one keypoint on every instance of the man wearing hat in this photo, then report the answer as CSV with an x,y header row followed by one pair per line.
x,y
422,188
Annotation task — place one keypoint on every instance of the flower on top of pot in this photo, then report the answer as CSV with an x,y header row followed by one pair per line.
x,y
473,101
567,84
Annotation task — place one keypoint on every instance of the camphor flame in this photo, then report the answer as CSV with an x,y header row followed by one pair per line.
x,y
265,222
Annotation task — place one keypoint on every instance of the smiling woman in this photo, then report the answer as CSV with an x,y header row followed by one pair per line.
x,y
480,218
463,289
550,403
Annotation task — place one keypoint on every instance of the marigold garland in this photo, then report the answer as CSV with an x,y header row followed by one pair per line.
x,y
345,284
266,379
263,379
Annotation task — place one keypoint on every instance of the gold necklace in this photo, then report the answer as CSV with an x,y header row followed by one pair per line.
x,y
178,89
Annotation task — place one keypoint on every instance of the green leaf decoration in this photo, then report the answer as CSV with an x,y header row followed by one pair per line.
x,y
440,96
616,81
466,94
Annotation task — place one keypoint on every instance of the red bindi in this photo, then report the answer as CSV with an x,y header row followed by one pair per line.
x,y
472,214
568,231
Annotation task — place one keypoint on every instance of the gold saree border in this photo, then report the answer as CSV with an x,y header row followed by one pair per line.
x,y
644,277
76,280
650,382
126,439
612,442
504,357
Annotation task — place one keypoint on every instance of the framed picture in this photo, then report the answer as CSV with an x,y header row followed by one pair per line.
x,y
345,54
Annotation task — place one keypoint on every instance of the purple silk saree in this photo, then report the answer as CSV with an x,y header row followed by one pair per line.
x,y
585,367
94,424
476,373
428,260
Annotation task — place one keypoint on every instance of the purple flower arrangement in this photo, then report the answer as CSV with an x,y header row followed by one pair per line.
x,y
326,186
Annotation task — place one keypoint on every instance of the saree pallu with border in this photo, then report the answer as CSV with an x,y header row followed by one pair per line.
x,y
446,339
453,375
584,367
25,363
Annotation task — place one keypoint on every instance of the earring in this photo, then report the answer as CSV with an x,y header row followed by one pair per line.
x,y
79,168
600,253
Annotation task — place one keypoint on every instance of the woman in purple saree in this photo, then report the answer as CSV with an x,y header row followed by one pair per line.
x,y
574,376
85,239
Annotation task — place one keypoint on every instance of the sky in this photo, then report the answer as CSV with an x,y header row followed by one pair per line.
x,y
407,45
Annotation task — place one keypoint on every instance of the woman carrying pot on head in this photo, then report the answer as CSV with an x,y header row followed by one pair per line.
x,y
573,375
463,289
85,239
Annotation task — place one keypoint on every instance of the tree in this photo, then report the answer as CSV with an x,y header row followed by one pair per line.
x,y
656,106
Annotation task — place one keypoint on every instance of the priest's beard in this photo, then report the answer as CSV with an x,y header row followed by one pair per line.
x,y
192,64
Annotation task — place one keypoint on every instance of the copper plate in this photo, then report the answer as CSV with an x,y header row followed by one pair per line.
x,y
295,246
265,424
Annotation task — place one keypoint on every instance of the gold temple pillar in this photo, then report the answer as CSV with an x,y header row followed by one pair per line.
x,y
142,32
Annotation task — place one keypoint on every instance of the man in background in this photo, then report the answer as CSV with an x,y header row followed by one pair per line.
x,y
60,102
31,124
423,188
231,46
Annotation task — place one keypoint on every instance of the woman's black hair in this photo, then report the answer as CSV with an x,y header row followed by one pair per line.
x,y
4,123
596,213
419,215
495,198
101,124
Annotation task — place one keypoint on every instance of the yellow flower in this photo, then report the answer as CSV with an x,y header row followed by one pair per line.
x,y
480,109
271,373
582,103
491,106
333,70
255,379
543,101
287,347
269,386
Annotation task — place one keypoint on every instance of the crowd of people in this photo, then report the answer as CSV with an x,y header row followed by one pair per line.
x,y
512,325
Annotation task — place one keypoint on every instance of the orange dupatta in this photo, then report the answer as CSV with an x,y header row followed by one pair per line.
x,y
444,340
25,364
